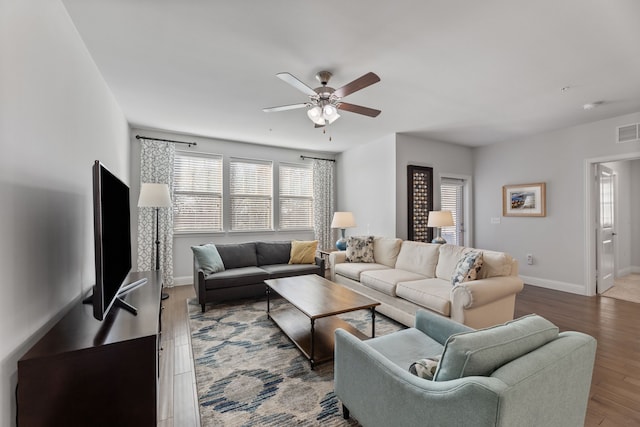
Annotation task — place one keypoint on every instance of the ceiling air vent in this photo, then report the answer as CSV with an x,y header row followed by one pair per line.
x,y
628,133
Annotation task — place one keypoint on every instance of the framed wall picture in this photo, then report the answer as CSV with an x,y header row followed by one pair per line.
x,y
420,197
524,200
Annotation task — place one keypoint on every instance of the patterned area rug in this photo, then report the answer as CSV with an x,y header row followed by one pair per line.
x,y
250,374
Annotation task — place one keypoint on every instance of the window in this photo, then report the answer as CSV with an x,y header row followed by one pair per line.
x,y
296,197
451,199
197,205
250,193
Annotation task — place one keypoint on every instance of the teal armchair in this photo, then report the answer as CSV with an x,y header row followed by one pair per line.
x,y
522,373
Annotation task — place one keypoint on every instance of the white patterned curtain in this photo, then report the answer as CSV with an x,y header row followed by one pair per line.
x,y
323,202
156,166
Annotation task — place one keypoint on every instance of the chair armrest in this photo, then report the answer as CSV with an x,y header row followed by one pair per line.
x,y
379,393
320,262
484,291
438,327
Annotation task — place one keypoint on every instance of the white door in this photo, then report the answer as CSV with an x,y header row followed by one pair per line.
x,y
605,255
451,199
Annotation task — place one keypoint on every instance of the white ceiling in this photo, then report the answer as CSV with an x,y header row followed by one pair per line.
x,y
463,71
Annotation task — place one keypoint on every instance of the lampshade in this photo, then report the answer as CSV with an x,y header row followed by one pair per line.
x,y
154,196
343,220
440,219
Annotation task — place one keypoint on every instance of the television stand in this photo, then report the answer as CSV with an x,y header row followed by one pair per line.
x,y
87,372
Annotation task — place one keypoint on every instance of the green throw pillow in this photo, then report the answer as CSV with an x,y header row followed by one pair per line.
x,y
208,258
483,351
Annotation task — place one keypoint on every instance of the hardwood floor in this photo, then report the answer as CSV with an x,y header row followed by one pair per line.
x,y
178,397
615,388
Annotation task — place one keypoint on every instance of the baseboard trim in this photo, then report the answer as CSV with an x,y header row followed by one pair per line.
x,y
184,280
555,285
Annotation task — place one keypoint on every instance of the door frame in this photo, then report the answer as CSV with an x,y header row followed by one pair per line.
x,y
590,207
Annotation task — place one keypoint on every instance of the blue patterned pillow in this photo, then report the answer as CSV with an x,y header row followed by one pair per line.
x,y
425,368
467,268
359,249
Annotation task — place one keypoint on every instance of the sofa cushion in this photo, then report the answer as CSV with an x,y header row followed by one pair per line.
x,y
418,257
273,252
495,264
235,255
360,249
483,351
385,250
467,268
235,277
385,281
434,294
448,259
277,271
208,258
303,252
352,270
405,347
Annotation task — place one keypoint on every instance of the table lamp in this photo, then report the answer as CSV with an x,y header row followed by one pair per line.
x,y
437,220
342,220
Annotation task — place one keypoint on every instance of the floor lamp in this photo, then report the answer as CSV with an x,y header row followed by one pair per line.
x,y
155,196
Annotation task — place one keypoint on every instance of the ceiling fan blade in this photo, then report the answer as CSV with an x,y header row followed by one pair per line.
x,y
318,126
284,108
359,83
358,109
293,81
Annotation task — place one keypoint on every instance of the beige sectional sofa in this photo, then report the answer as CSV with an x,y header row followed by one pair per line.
x,y
407,275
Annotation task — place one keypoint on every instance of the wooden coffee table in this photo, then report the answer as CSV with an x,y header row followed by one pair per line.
x,y
310,320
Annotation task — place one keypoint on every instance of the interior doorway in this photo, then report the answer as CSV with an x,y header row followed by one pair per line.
x,y
611,218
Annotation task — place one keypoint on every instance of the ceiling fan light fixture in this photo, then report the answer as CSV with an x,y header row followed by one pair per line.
x,y
333,118
314,113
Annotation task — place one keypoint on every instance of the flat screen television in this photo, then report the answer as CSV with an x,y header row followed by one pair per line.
x,y
112,236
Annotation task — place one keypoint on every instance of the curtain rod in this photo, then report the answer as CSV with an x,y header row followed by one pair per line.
x,y
317,158
166,140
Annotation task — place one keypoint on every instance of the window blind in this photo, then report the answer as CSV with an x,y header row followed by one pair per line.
x,y
451,197
296,197
250,193
197,193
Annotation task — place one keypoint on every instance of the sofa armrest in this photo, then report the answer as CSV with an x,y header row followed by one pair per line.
x,y
198,283
484,291
438,327
377,392
336,257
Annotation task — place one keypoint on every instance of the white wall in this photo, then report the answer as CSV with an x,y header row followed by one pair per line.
x,y
56,117
366,186
558,158
445,159
182,255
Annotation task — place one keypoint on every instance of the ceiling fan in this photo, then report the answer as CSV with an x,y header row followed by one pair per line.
x,y
324,101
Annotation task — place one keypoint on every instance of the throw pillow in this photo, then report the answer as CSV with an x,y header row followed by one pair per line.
x,y
467,268
359,249
303,252
425,368
208,258
483,351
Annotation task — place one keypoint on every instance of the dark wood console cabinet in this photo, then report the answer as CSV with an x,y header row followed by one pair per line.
x,y
86,372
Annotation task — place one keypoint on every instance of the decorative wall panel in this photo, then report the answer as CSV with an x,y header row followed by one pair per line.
x,y
420,197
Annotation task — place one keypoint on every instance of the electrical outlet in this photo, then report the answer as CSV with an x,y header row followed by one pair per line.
x,y
530,259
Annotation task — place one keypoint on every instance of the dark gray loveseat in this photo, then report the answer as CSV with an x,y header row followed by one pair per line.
x,y
247,266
